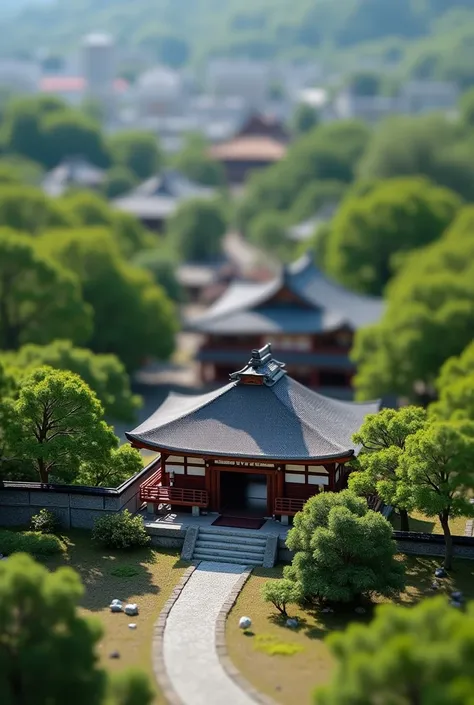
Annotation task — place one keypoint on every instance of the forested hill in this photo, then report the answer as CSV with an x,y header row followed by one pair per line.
x,y
427,33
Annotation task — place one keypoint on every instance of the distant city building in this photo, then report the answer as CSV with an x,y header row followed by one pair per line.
x,y
99,68
73,89
73,172
259,143
159,92
427,96
20,76
250,80
303,314
414,97
154,201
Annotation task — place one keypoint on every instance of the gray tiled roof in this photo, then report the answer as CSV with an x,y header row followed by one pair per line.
x,y
242,308
283,421
159,196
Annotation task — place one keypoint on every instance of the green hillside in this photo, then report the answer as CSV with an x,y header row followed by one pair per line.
x,y
432,38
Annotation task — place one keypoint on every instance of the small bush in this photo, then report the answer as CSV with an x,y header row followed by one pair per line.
x,y
45,522
124,571
270,645
280,593
121,530
34,543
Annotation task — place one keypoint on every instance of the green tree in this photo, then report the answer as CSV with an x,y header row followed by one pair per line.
x,y
421,654
137,151
144,318
57,425
196,230
436,474
39,300
268,232
430,308
194,161
330,151
27,209
396,216
163,265
343,550
315,196
104,374
304,119
365,83
281,593
466,107
120,464
22,130
429,146
41,630
18,170
69,133
130,687
119,180
383,437
455,386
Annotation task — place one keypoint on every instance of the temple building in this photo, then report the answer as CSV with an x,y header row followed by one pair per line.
x,y
259,446
303,314
259,143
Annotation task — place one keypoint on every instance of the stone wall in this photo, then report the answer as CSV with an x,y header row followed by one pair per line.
x,y
76,507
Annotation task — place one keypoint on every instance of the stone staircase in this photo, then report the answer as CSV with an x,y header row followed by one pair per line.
x,y
226,545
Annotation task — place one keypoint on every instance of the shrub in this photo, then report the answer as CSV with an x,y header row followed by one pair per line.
x,y
280,593
45,522
269,644
121,530
34,543
124,571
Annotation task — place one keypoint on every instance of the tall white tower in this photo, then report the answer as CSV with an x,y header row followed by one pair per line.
x,y
99,69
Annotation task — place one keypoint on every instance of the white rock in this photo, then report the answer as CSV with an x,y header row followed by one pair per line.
x,y
132,626
131,609
245,623
115,607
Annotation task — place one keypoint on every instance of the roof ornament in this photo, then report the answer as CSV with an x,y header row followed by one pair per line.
x,y
261,369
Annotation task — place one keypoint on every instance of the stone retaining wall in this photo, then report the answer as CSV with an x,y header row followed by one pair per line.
x,y
76,507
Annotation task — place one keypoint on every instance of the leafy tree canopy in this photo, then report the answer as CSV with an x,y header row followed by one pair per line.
x,y
428,319
29,210
343,550
119,180
428,146
104,374
455,386
304,119
144,318
314,197
137,151
269,233
436,473
39,299
330,151
383,437
405,655
41,630
196,230
66,133
162,264
193,161
396,216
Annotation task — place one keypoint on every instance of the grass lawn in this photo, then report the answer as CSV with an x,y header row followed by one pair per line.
x,y
291,678
157,572
430,525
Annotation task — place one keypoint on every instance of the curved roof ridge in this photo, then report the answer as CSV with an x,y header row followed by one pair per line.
x,y
314,428
200,402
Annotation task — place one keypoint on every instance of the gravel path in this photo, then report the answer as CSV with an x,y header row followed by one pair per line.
x,y
190,655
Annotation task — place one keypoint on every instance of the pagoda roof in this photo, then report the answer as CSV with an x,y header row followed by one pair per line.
x,y
249,307
262,413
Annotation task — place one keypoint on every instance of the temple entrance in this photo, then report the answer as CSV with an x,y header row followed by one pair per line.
x,y
243,494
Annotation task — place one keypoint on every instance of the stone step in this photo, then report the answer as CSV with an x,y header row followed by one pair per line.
x,y
225,536
236,546
228,552
221,558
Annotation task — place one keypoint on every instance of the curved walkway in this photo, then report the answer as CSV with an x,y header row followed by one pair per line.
x,y
189,647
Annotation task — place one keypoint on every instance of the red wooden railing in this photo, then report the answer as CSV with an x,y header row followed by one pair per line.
x,y
154,480
174,495
288,506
